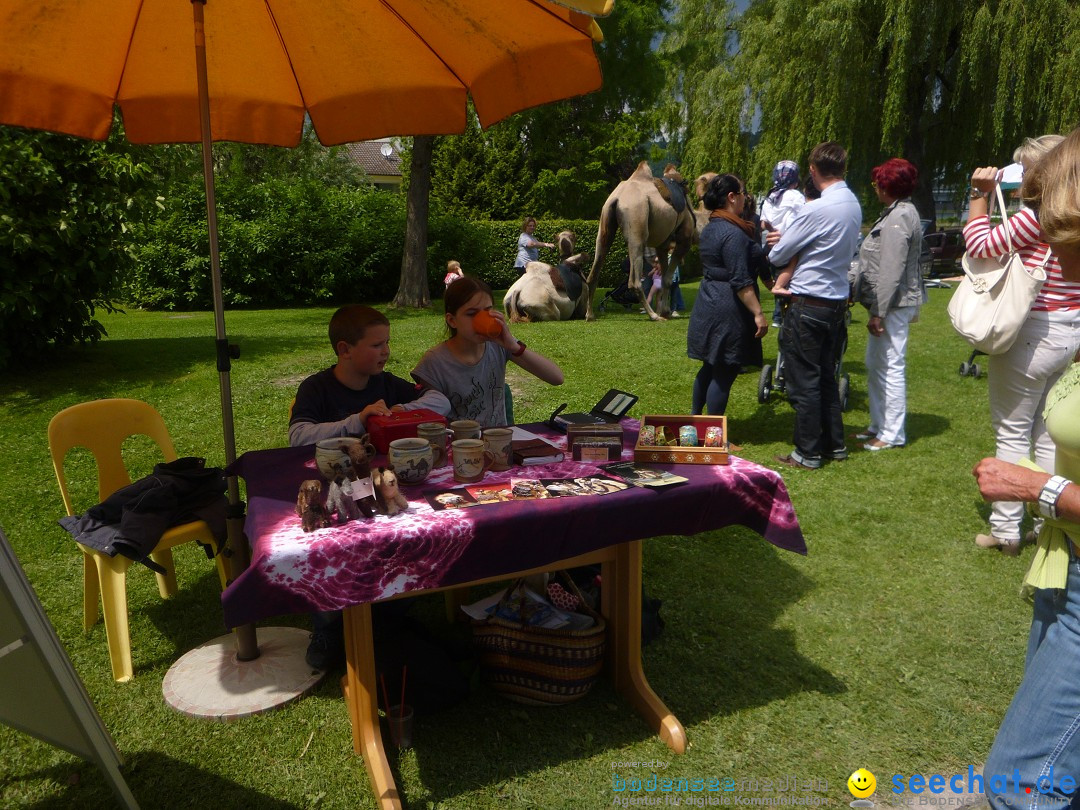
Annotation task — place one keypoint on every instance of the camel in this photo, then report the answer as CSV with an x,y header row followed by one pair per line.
x,y
642,206
546,293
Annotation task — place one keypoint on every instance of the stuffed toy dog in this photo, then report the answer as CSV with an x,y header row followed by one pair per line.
x,y
310,508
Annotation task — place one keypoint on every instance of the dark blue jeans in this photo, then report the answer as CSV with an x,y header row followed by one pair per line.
x,y
811,337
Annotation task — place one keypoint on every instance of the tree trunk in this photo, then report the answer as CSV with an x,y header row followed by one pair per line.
x,y
413,287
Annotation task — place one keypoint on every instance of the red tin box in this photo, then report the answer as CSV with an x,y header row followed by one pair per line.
x,y
398,425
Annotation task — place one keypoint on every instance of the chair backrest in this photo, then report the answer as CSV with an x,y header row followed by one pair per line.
x,y
101,427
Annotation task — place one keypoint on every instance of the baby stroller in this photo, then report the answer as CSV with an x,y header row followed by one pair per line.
x,y
772,378
621,294
969,368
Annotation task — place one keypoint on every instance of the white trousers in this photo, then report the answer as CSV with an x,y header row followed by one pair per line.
x,y
887,388
1019,381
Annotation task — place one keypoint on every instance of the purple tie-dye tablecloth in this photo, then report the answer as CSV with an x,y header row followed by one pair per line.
x,y
367,560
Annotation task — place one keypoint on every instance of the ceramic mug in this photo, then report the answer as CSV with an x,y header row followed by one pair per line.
x,y
329,454
497,441
471,459
435,434
465,429
411,459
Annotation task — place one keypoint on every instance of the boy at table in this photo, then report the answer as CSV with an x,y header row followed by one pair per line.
x,y
337,402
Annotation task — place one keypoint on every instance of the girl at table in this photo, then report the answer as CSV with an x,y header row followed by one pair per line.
x,y
469,368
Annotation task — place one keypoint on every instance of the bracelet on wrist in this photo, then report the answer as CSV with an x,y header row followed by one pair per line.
x,y
520,350
1051,492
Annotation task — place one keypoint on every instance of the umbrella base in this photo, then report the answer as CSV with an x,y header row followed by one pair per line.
x,y
210,682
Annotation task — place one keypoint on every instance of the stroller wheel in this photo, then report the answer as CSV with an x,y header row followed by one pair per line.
x,y
965,368
975,371
844,390
765,384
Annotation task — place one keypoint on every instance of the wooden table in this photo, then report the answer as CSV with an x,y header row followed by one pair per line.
x,y
351,566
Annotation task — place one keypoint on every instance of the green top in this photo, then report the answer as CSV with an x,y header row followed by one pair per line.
x,y
1050,567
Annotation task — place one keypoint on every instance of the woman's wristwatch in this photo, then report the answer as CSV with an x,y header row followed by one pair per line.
x,y
1048,498
977,194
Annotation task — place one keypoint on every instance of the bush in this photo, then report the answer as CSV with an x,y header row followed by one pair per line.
x,y
294,243
64,209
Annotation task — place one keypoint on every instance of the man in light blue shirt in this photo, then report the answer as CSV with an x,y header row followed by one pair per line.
x,y
824,235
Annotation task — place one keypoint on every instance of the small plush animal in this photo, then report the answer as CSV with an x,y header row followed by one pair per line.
x,y
361,468
310,508
387,492
339,499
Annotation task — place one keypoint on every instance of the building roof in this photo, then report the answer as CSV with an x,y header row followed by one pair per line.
x,y
366,154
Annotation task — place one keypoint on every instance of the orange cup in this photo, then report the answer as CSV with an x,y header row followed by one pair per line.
x,y
487,324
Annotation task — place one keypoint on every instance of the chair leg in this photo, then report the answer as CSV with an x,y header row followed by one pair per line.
x,y
91,591
224,569
166,583
112,572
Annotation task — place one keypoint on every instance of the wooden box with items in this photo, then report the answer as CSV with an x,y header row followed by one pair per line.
x,y
683,440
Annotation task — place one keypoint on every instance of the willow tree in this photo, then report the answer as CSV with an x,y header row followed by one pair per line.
x,y
948,84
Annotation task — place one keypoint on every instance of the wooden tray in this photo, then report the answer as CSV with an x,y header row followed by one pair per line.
x,y
673,454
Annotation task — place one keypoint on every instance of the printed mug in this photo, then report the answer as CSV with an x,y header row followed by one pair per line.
x,y
336,457
471,460
465,429
435,434
411,459
498,443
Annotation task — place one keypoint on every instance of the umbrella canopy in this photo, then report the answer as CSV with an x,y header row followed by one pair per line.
x,y
250,70
360,69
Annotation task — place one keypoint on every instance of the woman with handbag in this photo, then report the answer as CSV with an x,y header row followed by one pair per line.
x,y
727,324
889,284
1038,744
1021,376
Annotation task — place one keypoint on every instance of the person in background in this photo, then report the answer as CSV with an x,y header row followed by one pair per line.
x,y
656,279
677,303
453,272
823,234
1038,744
1021,377
469,368
727,324
528,247
890,287
781,203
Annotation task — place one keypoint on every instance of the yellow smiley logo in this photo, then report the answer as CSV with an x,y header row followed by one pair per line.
x,y
861,783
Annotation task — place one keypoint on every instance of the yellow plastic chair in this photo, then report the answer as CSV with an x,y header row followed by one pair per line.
x,y
101,427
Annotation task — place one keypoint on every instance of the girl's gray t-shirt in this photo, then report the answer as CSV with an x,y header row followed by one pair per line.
x,y
475,392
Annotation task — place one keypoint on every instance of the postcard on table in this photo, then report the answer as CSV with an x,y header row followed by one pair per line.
x,y
642,475
449,499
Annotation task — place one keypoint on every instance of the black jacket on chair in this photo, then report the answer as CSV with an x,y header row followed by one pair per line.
x,y
132,520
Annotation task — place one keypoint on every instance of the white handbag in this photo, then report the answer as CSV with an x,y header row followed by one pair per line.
x,y
995,295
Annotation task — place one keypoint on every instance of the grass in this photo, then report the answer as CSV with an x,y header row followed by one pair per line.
x,y
895,645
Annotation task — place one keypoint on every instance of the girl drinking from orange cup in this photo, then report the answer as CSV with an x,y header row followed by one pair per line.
x,y
470,366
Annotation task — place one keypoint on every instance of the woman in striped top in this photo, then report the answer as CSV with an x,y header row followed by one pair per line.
x,y
1021,377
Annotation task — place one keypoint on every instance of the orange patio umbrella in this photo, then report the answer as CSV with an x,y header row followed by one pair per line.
x,y
251,70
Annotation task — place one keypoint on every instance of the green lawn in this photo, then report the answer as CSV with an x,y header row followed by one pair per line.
x,y
895,645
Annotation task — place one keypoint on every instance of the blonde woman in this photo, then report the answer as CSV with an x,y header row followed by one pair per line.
x,y
1038,743
1021,377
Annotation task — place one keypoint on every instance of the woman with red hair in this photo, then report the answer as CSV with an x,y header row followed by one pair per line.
x,y
889,285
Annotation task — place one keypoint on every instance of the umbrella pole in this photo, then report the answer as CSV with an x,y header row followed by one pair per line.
x,y
247,648
217,679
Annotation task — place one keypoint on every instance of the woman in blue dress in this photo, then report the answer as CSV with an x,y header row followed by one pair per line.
x,y
727,323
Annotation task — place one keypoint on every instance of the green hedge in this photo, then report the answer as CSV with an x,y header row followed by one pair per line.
x,y
302,243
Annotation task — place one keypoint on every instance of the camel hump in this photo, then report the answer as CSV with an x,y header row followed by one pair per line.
x,y
642,172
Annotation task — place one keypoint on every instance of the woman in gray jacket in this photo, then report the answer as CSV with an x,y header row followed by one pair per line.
x,y
889,284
